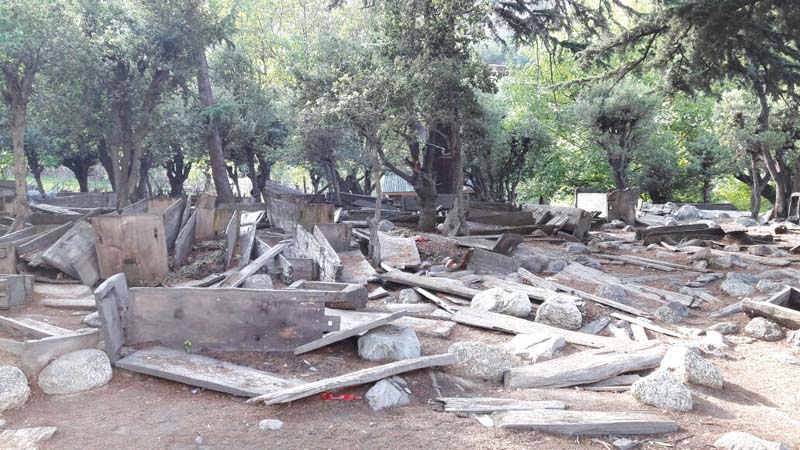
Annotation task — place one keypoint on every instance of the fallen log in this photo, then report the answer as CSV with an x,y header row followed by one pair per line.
x,y
515,325
487,405
587,367
781,315
433,284
356,378
579,423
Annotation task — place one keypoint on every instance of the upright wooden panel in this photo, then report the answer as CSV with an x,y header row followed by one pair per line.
x,y
112,302
135,245
173,218
316,247
8,258
227,319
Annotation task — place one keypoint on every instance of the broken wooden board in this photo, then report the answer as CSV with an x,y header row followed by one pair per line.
x,y
348,296
488,262
288,213
232,239
488,405
644,323
133,244
515,325
355,268
80,304
534,293
677,233
665,266
447,286
356,378
74,254
237,278
426,327
248,223
398,251
203,372
587,367
184,241
37,353
8,259
227,319
578,222
33,328
316,246
343,334
25,438
13,293
580,423
111,298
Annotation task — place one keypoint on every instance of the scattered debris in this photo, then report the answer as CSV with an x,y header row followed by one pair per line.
x,y
388,393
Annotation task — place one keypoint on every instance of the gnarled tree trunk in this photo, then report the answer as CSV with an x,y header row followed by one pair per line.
x,y
216,156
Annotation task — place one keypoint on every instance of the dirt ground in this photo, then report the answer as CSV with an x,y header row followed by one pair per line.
x,y
141,412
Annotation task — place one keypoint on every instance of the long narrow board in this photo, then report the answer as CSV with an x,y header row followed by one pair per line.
x,y
341,335
447,286
488,405
356,378
580,423
515,325
433,328
203,372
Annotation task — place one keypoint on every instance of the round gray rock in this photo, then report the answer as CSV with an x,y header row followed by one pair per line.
x,y
672,312
737,288
409,296
14,390
611,291
761,328
388,393
482,361
501,301
77,371
560,310
688,366
556,265
662,390
687,212
389,342
737,440
385,225
724,328
270,424
768,286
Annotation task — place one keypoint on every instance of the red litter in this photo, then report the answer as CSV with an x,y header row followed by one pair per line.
x,y
341,397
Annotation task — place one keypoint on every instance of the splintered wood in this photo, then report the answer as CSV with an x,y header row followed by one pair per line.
x,y
579,423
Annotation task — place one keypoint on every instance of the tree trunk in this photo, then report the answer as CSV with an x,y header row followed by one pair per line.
x,y
426,196
706,190
456,222
19,112
105,160
758,184
216,156
374,240
618,172
445,160
142,190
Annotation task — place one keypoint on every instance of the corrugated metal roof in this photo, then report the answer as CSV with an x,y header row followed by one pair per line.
x,y
391,182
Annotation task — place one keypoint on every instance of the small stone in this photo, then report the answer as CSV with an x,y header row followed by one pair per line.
x,y
712,343
14,390
388,393
535,348
270,425
737,440
92,320
689,367
560,310
501,301
556,265
389,342
773,274
742,277
724,328
737,288
624,444
760,250
76,371
482,361
687,212
258,281
768,286
672,312
617,224
408,296
662,390
533,263
611,291
385,225
577,249
761,328
720,262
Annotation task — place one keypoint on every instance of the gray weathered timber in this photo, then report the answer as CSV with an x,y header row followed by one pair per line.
x,y
247,235
572,220
534,293
203,372
651,326
8,258
288,213
316,247
348,295
184,241
294,269
173,221
33,328
42,240
232,239
338,235
13,293
488,262
343,334
36,354
81,304
580,423
237,278
356,268
112,301
25,438
447,286
515,325
74,254
464,406
433,328
133,244
399,251
587,367
781,315
227,319
354,378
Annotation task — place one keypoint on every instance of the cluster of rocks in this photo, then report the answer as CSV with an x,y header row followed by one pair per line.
x,y
74,372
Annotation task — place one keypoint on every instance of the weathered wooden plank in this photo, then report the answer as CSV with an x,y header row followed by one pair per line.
x,y
356,378
33,328
247,235
650,326
8,259
787,317
652,263
74,254
488,405
112,301
25,438
515,325
639,333
398,251
36,354
488,262
347,295
203,372
426,327
447,286
317,248
534,293
237,278
82,304
580,423
13,292
133,244
184,241
587,367
343,334
356,268
227,319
